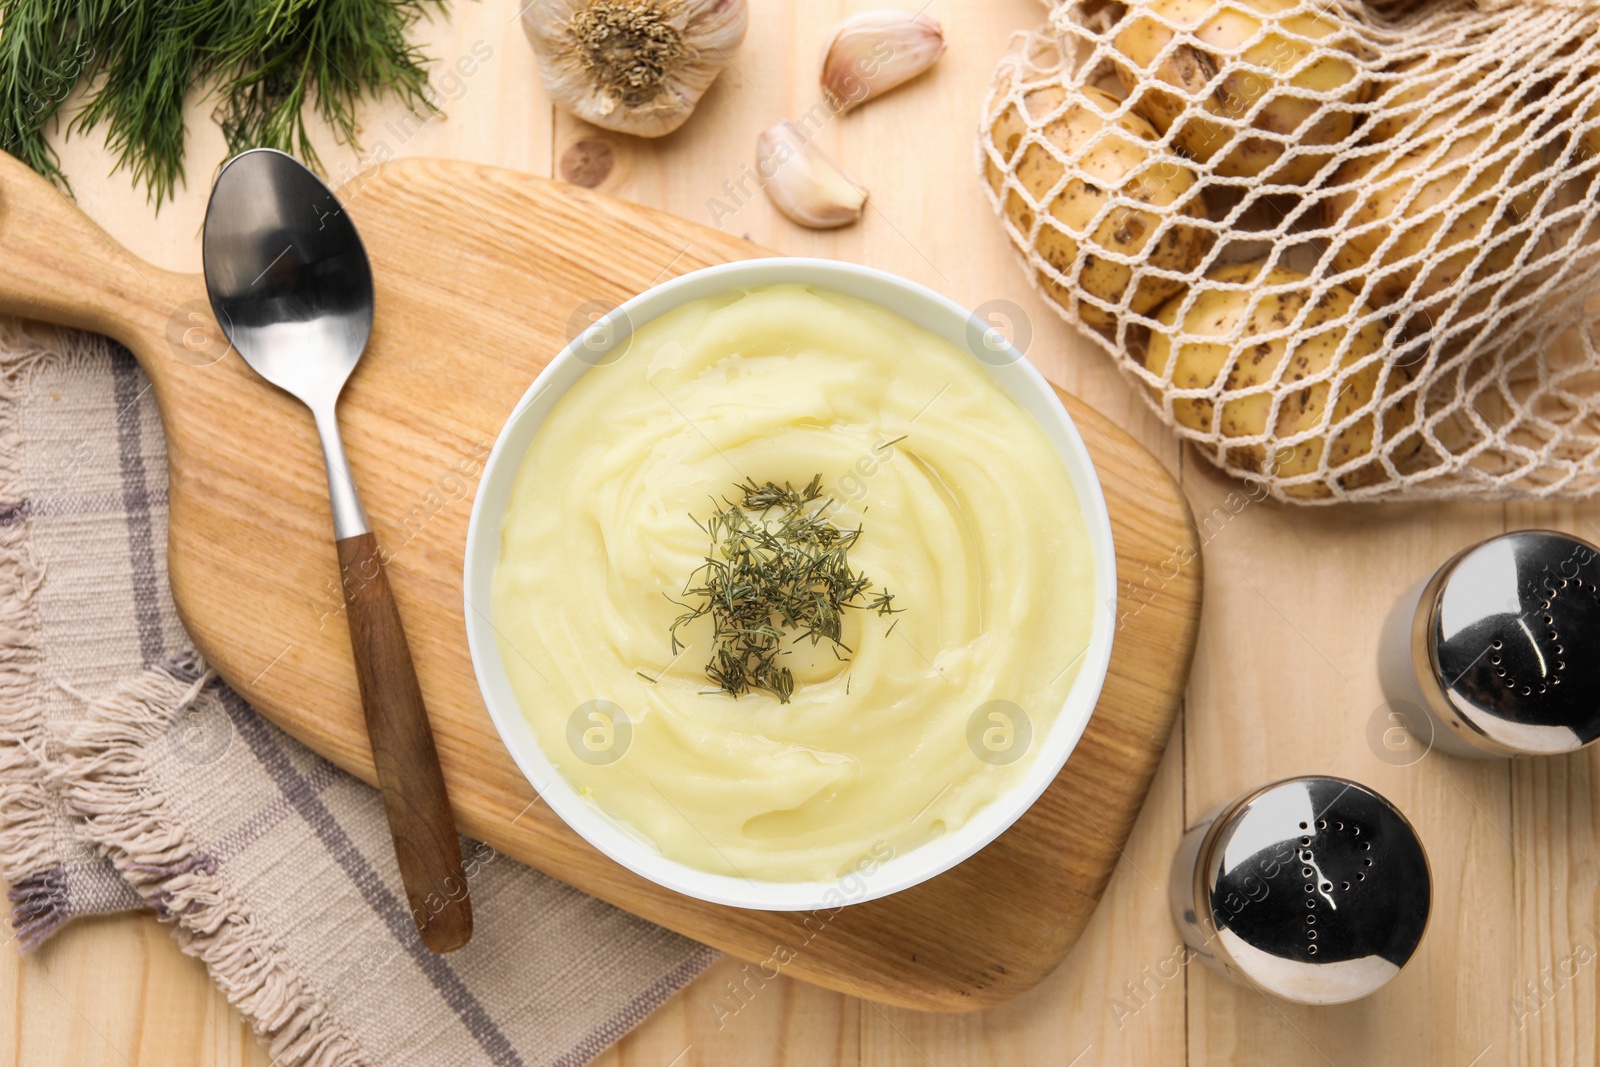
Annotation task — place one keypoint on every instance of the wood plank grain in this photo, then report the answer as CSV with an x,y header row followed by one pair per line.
x,y
1261,692
118,992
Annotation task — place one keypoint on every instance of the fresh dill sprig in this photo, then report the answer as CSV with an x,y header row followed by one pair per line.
x,y
267,64
767,578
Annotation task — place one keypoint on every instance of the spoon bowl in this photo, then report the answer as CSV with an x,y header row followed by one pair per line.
x,y
288,275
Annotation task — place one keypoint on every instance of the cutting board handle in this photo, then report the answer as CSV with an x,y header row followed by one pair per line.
x,y
57,266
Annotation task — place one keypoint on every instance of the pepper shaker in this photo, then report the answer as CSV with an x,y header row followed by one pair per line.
x,y
1315,889
1490,656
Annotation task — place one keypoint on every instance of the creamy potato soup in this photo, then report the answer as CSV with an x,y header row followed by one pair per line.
x,y
753,468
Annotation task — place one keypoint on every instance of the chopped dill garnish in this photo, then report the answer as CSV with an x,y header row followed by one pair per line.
x,y
769,577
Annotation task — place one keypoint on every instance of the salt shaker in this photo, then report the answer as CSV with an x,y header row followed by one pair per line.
x,y
1492,654
1313,889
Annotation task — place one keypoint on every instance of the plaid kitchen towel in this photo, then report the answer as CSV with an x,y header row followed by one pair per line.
x,y
130,777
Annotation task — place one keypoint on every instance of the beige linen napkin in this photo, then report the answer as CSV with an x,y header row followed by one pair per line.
x,y
130,777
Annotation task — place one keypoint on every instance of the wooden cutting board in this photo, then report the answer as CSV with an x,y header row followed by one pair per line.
x,y
482,275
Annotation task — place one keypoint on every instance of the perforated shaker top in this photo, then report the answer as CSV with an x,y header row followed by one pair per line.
x,y
1318,888
1511,640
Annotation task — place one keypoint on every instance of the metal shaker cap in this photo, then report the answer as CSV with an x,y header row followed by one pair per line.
x,y
1313,889
1507,629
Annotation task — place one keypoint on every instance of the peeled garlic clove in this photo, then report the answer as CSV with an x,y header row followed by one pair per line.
x,y
803,182
633,66
875,51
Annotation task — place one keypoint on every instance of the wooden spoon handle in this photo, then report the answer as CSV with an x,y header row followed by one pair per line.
x,y
409,778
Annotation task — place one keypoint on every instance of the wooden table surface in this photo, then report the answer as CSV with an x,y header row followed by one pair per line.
x,y
1283,684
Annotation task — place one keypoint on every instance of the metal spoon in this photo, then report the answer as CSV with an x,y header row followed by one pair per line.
x,y
290,284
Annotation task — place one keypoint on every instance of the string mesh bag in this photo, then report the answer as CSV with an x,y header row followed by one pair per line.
x,y
1351,250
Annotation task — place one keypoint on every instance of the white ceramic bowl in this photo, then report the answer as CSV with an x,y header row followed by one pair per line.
x,y
933,313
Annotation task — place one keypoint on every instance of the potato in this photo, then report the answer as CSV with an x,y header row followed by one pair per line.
x,y
1272,364
1262,70
1371,190
1424,84
1120,164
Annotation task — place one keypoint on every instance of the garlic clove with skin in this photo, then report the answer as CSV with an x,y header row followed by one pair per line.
x,y
875,51
633,66
803,182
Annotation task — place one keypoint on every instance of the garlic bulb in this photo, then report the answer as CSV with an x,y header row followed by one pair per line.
x,y
633,66
875,51
803,182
